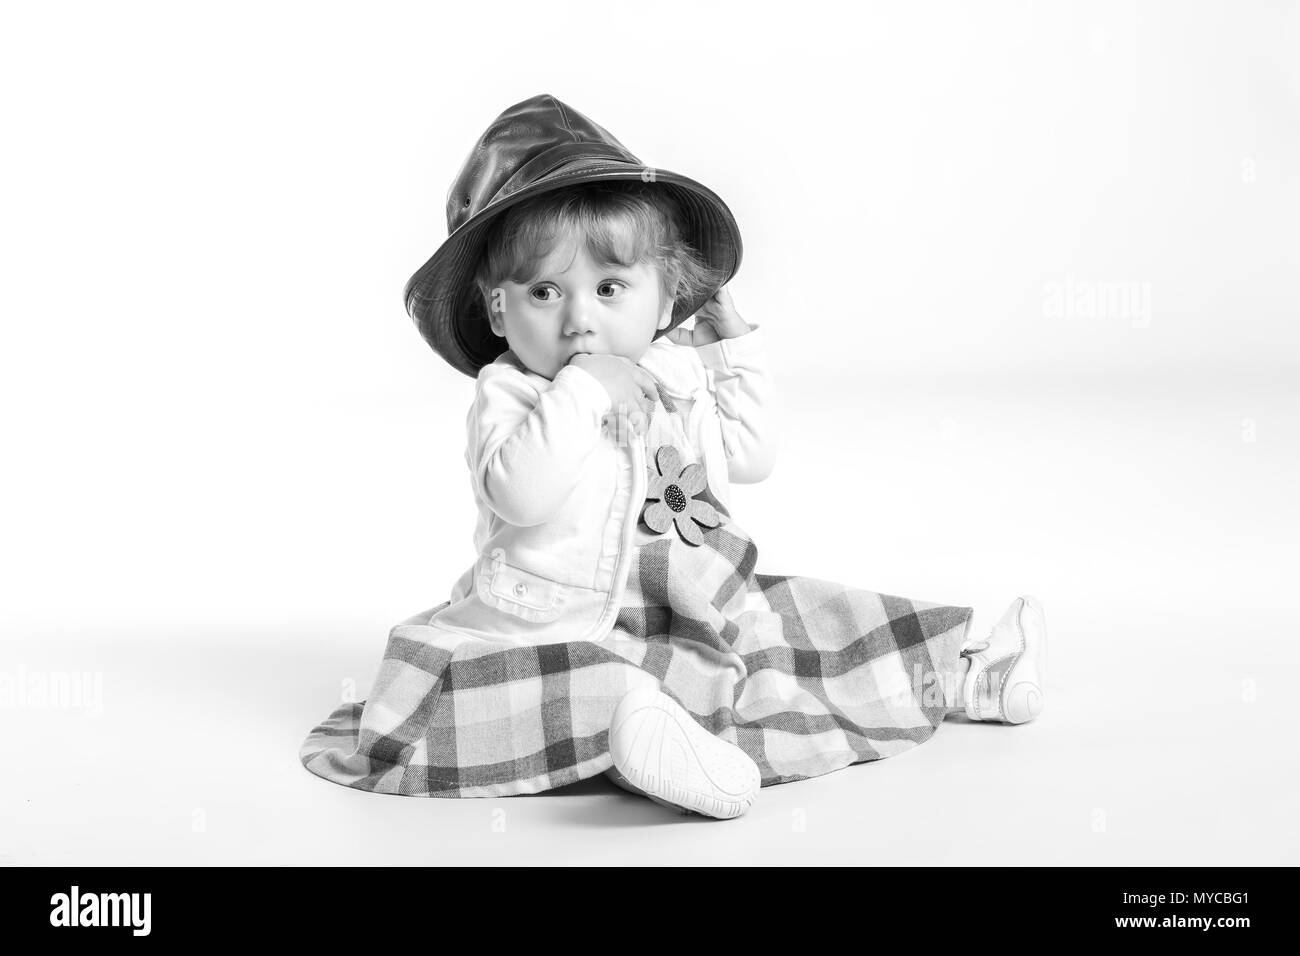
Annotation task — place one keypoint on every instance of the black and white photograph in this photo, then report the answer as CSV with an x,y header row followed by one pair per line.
x,y
691,434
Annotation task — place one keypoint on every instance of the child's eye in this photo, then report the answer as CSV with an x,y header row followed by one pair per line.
x,y
609,288
543,293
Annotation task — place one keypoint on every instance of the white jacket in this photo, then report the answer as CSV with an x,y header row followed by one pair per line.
x,y
560,490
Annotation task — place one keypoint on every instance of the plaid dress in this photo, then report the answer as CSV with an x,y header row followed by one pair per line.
x,y
806,676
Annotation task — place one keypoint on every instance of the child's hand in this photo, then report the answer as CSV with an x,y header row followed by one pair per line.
x,y
716,319
631,388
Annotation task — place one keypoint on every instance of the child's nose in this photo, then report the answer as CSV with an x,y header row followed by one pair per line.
x,y
577,317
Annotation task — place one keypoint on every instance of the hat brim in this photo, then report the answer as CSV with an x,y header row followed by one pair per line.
x,y
449,311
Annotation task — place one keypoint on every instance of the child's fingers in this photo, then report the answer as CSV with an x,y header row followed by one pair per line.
x,y
714,302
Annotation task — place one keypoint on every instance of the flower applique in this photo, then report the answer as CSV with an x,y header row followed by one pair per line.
x,y
671,501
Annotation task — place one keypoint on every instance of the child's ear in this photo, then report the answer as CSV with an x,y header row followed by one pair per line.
x,y
674,277
496,318
666,313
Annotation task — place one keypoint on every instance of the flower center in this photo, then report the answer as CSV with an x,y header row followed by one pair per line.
x,y
674,498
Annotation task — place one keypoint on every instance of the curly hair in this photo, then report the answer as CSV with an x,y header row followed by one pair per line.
x,y
623,223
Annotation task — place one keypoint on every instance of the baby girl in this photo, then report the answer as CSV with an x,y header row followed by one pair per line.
x,y
613,620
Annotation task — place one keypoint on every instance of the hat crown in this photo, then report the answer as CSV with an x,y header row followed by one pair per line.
x,y
526,142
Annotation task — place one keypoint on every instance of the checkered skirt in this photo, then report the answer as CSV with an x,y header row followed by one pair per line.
x,y
806,676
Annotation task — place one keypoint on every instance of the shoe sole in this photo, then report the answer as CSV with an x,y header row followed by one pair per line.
x,y
659,748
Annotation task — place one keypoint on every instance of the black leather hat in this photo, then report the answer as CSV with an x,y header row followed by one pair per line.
x,y
535,147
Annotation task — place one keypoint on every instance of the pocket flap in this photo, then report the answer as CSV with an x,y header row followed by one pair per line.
x,y
521,592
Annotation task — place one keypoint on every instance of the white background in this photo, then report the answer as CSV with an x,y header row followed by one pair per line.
x,y
231,463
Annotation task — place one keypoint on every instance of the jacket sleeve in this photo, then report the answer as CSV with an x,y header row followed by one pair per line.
x,y
525,451
745,400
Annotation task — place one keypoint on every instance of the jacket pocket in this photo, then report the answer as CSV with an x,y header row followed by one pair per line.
x,y
528,596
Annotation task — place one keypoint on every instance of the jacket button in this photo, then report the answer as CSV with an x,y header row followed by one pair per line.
x,y
521,589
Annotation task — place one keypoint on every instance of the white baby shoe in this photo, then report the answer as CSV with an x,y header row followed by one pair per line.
x,y
665,754
1008,670
621,781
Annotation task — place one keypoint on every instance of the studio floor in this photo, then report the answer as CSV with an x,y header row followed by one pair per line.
x,y
1155,522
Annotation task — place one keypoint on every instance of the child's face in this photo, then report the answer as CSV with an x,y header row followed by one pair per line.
x,y
576,304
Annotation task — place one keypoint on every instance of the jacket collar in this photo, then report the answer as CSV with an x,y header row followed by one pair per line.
x,y
672,365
